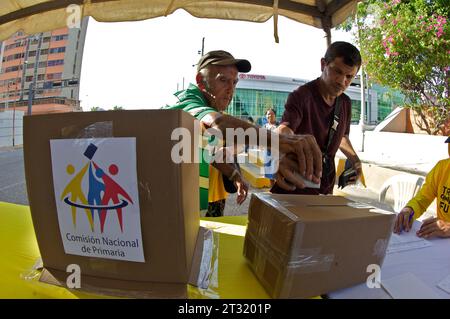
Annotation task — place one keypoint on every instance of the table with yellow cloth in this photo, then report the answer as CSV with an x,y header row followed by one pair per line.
x,y
19,252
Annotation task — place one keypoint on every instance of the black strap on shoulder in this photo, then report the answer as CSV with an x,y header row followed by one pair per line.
x,y
334,124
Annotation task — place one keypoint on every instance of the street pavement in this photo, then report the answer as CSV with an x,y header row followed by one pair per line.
x,y
12,176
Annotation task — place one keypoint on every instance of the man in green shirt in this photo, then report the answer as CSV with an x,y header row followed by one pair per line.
x,y
217,76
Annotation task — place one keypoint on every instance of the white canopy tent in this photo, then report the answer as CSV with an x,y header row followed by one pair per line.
x,y
33,16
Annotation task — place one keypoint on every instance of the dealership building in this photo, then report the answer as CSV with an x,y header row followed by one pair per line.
x,y
256,93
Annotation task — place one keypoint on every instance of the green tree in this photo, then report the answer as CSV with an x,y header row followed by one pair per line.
x,y
95,108
117,108
405,45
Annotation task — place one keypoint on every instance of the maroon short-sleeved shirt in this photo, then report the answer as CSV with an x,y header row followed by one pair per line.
x,y
306,112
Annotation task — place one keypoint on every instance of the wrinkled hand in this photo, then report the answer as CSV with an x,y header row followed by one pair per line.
x,y
303,156
403,222
433,227
242,189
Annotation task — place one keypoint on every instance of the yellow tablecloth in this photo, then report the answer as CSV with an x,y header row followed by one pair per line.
x,y
19,252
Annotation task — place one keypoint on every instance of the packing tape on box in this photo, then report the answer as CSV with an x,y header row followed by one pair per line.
x,y
277,205
307,260
276,273
298,260
207,282
267,225
262,228
311,261
360,205
206,263
380,247
94,130
263,263
267,249
301,260
34,272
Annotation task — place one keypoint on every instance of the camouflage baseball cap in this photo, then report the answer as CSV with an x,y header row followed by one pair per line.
x,y
220,57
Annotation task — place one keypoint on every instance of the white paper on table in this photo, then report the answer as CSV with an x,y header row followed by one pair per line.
x,y
408,286
444,284
407,240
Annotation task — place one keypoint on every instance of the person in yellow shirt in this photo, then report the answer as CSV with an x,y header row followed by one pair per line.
x,y
437,185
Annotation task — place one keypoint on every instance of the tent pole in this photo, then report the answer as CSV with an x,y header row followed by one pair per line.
x,y
328,36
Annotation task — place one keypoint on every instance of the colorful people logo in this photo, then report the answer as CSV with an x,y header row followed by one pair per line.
x,y
102,190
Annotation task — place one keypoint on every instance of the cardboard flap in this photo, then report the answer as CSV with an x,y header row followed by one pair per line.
x,y
310,200
201,261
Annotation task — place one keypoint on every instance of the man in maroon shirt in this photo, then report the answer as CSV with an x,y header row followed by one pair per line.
x,y
310,109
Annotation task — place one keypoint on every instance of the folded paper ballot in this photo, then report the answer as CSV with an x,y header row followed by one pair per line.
x,y
308,183
271,167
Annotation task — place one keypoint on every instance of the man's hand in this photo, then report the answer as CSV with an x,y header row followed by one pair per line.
x,y
242,188
346,147
287,176
307,161
404,220
433,227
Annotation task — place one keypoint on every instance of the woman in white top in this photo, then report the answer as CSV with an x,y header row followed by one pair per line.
x,y
268,163
271,120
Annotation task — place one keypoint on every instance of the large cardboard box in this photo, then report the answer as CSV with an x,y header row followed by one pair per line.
x,y
304,245
144,248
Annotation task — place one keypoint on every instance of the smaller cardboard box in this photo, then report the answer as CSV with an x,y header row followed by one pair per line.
x,y
302,246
